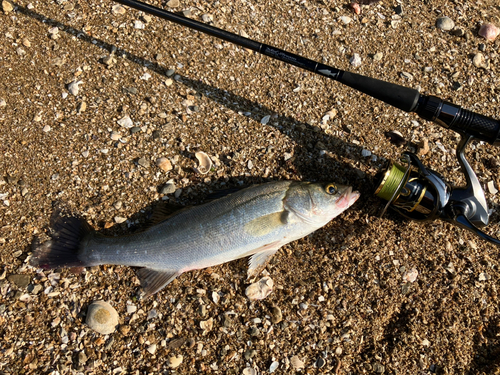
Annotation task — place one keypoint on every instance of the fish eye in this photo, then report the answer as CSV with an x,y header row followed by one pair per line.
x,y
331,189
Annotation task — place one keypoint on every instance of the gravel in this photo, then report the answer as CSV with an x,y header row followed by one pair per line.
x,y
365,321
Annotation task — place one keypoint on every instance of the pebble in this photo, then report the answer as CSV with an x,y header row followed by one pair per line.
x,y
250,164
489,31
365,153
445,23
3,103
265,120
250,353
82,107
296,362
120,219
276,315
355,60
378,56
274,366
260,289
118,9
174,362
139,25
204,162
345,20
168,188
102,317
109,61
170,72
135,129
7,6
491,187
207,18
126,122
168,82
74,87
480,61
143,162
164,164
173,3
21,281
124,330
46,128
320,362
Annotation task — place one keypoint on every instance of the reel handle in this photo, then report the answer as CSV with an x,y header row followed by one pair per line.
x,y
462,222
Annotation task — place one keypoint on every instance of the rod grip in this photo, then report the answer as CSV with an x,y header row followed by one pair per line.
x,y
398,96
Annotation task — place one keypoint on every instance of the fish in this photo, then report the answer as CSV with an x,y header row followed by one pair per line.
x,y
252,222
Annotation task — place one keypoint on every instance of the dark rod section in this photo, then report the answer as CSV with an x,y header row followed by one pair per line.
x,y
430,108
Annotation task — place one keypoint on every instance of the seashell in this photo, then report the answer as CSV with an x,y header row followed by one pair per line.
x,y
489,31
102,317
261,289
395,137
74,87
411,275
204,162
296,362
164,164
174,362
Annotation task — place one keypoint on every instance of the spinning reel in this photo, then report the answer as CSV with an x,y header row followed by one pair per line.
x,y
414,191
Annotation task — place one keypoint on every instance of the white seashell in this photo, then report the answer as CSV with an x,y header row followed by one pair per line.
x,y
250,371
102,317
489,31
126,122
74,87
204,162
207,325
164,164
261,289
411,275
174,362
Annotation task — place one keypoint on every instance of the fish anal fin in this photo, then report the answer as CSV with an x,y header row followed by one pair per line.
x,y
267,223
259,260
153,281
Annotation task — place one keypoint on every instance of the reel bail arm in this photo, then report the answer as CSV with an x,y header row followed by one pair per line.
x,y
423,195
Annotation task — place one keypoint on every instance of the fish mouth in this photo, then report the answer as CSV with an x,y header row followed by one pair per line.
x,y
348,198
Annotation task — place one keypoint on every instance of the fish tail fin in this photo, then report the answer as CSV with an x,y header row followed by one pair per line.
x,y
63,250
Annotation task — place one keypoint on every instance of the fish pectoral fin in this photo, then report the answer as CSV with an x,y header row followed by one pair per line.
x,y
154,280
259,260
267,223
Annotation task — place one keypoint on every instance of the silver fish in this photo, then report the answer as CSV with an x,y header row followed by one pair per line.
x,y
255,222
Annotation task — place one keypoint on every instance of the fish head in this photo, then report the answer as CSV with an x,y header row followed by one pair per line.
x,y
318,203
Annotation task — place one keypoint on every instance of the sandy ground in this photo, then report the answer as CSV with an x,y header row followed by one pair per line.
x,y
345,304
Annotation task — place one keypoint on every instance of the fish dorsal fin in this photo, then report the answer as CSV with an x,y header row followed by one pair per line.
x,y
222,193
259,260
267,223
162,211
154,280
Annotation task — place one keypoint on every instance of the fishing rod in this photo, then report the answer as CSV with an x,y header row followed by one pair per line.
x,y
414,191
